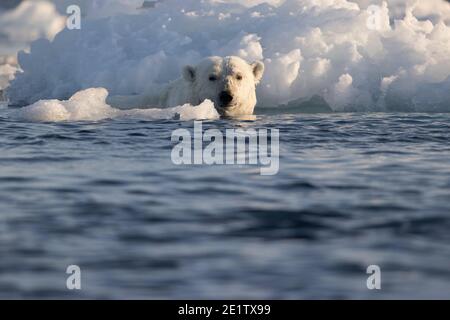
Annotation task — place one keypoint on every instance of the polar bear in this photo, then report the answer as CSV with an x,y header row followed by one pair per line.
x,y
229,82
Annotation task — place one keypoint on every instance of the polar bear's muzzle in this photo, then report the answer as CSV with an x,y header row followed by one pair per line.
x,y
225,99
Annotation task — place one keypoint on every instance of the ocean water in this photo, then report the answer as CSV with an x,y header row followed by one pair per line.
x,y
353,190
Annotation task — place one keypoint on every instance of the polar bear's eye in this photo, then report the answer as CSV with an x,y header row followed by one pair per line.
x,y
239,77
212,78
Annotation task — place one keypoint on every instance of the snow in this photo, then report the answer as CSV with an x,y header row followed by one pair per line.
x,y
7,72
29,21
94,9
398,59
19,26
90,105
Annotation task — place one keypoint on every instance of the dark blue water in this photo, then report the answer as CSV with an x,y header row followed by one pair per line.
x,y
353,190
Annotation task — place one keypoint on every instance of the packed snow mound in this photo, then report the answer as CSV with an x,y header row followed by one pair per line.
x,y
355,56
30,20
21,25
7,73
102,8
90,105
434,10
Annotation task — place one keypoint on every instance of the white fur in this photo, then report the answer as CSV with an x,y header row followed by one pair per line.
x,y
231,74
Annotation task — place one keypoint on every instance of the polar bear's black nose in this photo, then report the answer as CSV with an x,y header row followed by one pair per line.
x,y
225,98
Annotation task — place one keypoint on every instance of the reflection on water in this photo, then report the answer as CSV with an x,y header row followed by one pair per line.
x,y
353,190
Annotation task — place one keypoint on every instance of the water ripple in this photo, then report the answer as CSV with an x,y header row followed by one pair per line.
x,y
353,190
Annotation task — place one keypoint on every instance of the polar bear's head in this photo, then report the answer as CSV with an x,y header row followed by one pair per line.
x,y
229,82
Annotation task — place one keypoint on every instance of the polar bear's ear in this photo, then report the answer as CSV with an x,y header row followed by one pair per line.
x,y
189,73
258,70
